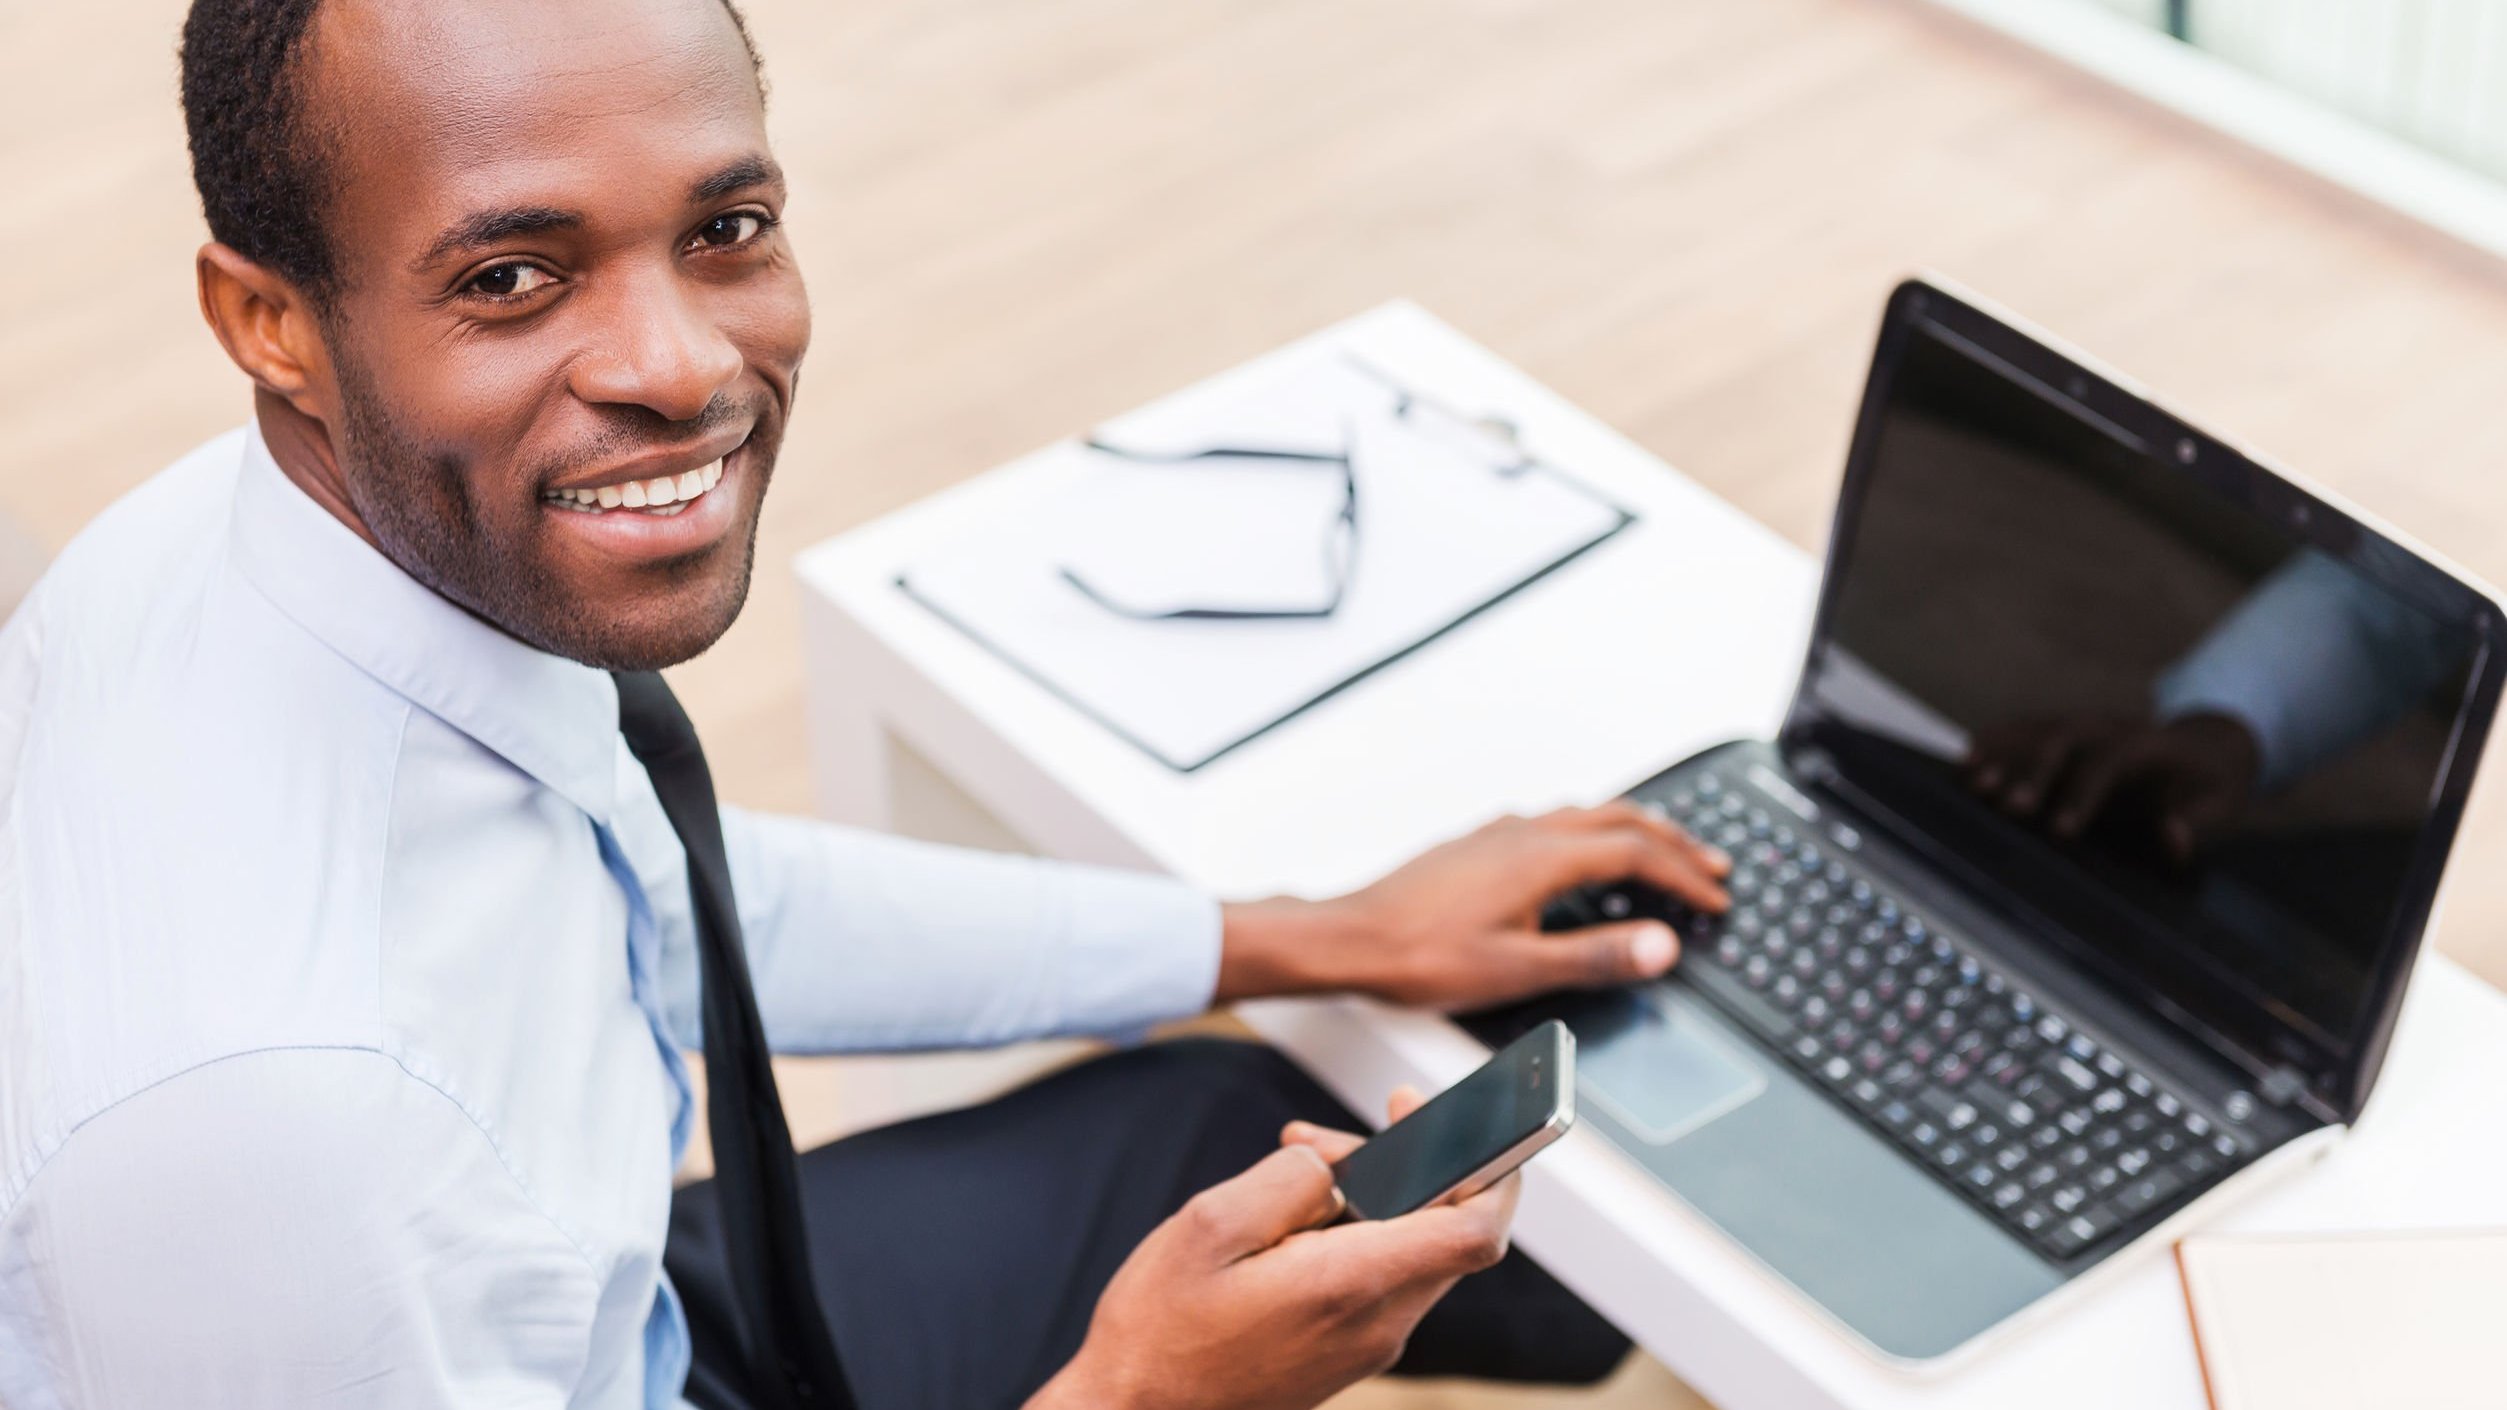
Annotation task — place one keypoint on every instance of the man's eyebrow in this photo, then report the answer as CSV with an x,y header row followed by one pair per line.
x,y
489,227
738,176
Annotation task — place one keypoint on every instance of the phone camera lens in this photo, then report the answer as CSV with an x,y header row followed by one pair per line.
x,y
2078,386
2185,450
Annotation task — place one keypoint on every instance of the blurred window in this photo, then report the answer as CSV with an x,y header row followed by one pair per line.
x,y
2433,72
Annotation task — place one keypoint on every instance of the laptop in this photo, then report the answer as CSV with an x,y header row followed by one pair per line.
x,y
2077,895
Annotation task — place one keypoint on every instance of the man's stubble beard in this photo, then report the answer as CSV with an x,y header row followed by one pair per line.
x,y
419,510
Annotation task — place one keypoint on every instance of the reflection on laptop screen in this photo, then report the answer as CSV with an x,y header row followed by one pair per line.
x,y
2137,708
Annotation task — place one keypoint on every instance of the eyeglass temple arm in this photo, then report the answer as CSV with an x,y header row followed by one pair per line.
x,y
1308,457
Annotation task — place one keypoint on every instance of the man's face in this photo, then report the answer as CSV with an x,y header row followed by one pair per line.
x,y
568,327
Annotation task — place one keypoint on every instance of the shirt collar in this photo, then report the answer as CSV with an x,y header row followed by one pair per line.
x,y
554,719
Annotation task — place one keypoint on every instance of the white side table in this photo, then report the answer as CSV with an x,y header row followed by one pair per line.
x,y
1681,632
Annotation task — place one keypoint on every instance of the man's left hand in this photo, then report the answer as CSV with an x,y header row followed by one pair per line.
x,y
1460,926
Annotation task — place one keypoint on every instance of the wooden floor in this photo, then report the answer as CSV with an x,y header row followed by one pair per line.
x,y
1023,215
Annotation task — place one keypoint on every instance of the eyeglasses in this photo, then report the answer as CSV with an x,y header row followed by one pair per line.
x,y
1340,547
1492,441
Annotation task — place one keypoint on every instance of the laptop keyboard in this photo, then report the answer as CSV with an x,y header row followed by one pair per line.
x,y
2037,1123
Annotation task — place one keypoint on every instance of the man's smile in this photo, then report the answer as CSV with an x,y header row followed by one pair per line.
x,y
662,495
653,510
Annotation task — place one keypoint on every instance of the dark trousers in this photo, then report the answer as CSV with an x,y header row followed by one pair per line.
x,y
960,1256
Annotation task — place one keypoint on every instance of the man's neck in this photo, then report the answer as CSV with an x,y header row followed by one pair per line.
x,y
302,448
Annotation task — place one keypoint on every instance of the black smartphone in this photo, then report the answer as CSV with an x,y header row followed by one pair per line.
x,y
1471,1135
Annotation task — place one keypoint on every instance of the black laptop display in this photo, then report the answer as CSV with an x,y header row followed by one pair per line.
x,y
2084,877
2127,684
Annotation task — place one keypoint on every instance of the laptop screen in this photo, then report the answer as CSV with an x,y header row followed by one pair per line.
x,y
2203,740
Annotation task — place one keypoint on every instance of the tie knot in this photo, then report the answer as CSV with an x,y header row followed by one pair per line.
x,y
650,717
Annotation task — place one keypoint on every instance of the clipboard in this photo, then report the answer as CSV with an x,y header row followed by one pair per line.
x,y
1452,520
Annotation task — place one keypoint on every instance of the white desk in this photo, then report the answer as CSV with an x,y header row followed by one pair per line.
x,y
1684,631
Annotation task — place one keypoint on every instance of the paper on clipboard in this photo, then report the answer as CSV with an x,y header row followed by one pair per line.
x,y
1442,533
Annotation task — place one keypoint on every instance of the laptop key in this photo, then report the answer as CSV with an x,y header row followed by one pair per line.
x,y
1988,1093
2141,1196
1949,1110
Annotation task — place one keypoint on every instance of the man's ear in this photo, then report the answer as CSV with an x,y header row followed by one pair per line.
x,y
267,326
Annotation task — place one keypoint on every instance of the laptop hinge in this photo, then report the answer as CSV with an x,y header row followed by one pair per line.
x,y
2278,1083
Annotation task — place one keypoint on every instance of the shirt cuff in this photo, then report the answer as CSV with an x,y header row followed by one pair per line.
x,y
1140,950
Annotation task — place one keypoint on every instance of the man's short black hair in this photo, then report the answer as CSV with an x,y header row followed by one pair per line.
x,y
260,163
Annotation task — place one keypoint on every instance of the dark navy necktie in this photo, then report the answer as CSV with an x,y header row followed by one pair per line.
x,y
792,1355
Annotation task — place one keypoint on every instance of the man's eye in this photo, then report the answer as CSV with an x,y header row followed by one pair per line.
x,y
731,229
507,281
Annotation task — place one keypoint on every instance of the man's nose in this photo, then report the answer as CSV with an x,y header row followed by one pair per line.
x,y
655,347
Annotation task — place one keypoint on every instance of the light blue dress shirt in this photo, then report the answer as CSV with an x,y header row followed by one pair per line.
x,y
346,963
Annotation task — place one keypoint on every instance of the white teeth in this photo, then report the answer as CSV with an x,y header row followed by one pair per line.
x,y
664,494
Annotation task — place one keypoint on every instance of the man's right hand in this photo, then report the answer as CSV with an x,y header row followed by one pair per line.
x,y
1240,1302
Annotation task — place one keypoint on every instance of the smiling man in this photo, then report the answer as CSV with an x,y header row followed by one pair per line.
x,y
364,885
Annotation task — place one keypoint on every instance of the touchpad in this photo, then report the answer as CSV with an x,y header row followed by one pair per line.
x,y
1658,1071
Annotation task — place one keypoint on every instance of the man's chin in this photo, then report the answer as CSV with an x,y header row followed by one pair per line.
x,y
646,640
632,626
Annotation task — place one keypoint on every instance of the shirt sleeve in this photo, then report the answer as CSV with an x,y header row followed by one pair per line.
x,y
304,1227
862,941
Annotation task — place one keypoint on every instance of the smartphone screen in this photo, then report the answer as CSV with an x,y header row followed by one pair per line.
x,y
1519,1100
